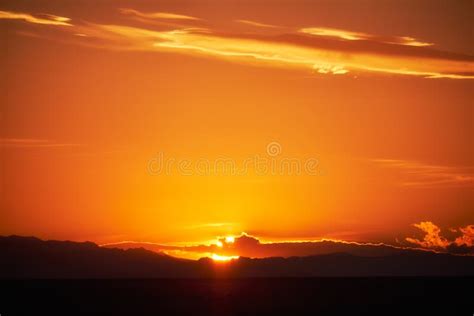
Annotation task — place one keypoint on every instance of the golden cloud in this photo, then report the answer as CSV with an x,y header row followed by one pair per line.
x,y
463,244
257,24
46,19
158,15
273,51
467,238
319,54
432,238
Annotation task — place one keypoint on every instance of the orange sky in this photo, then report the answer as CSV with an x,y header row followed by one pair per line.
x,y
378,93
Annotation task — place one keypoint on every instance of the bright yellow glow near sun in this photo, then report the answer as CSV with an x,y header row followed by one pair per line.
x,y
230,239
220,258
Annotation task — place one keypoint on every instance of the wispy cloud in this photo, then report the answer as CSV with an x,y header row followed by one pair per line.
x,y
274,51
46,19
158,15
257,24
319,50
211,225
359,36
417,174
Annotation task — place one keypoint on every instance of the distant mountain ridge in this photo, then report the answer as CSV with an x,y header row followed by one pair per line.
x,y
30,257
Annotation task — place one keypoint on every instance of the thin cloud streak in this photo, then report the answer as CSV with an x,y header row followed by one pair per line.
x,y
45,19
257,24
425,175
359,36
158,15
211,225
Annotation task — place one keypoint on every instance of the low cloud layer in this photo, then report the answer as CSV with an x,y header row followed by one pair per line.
x,y
433,239
249,246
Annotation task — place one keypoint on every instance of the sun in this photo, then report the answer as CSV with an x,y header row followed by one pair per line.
x,y
220,258
230,239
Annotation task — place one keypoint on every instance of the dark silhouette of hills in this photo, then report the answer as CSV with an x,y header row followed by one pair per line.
x,y
29,257
70,278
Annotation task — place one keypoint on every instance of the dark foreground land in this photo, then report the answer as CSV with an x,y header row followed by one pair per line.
x,y
68,278
259,296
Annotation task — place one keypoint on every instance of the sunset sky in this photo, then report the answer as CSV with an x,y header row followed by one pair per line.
x,y
377,95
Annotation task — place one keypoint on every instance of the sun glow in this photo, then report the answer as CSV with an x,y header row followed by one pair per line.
x,y
230,239
220,258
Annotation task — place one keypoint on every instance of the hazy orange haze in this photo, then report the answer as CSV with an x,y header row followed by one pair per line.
x,y
92,92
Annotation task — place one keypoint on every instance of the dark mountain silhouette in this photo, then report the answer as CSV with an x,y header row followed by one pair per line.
x,y
29,257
